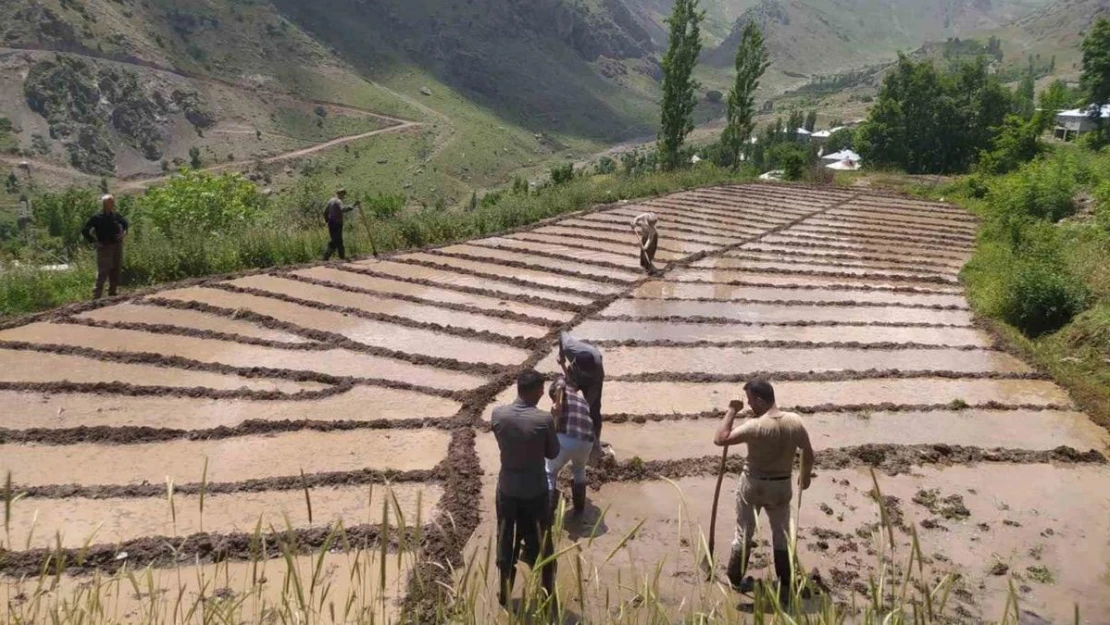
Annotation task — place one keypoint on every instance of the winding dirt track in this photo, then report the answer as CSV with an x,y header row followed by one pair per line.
x,y
340,377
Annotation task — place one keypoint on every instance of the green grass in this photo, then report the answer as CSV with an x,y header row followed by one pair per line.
x,y
274,241
308,126
1072,252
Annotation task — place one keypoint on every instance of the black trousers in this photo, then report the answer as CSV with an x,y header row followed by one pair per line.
x,y
335,231
647,253
591,390
524,530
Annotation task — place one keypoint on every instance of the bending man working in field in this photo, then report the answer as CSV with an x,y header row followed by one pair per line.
x,y
577,433
526,436
773,438
333,215
644,227
582,366
107,229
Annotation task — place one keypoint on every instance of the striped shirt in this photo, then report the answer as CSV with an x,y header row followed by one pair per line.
x,y
575,419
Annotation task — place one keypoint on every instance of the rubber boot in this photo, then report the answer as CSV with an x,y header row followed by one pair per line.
x,y
505,590
737,567
782,569
578,493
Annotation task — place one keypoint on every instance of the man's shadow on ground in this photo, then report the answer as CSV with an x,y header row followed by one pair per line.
x,y
589,524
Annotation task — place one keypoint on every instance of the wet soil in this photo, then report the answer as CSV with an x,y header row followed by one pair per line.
x,y
375,333
489,252
468,283
774,313
78,521
793,278
606,237
435,295
518,274
810,253
229,460
724,292
846,336
189,319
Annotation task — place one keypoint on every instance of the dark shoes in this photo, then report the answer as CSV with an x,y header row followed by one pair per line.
x,y
578,496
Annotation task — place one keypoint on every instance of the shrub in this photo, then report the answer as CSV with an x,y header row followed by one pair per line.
x,y
714,97
606,166
1041,296
196,204
1102,206
843,139
562,174
385,206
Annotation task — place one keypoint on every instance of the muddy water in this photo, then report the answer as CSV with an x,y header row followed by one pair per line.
x,y
107,521
680,290
686,229
447,296
910,245
229,460
784,238
775,313
338,362
253,593
393,307
679,247
819,269
452,278
536,276
495,254
23,410
155,315
587,224
622,249
870,229
895,217
751,277
799,252
690,398
37,367
599,330
795,260
740,360
629,259
375,333
710,223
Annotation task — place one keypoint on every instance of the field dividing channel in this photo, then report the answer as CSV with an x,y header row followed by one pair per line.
x,y
367,384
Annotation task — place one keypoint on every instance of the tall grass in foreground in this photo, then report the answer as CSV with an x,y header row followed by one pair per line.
x,y
341,582
280,236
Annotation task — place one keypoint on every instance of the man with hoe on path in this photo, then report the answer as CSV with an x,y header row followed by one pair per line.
x,y
526,437
333,215
773,438
107,229
644,227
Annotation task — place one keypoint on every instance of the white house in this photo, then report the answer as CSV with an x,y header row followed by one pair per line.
x,y
821,136
1071,124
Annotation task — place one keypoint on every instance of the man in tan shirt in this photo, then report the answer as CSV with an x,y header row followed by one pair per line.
x,y
773,438
644,227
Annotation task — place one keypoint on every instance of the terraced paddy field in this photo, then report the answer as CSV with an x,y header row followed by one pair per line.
x,y
221,433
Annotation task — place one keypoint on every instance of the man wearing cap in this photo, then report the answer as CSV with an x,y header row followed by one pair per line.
x,y
333,215
582,366
106,230
644,227
773,438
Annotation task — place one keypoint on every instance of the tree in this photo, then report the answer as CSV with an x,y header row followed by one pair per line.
x,y
1096,65
679,86
751,62
928,122
843,139
1057,97
793,124
1024,103
811,121
714,97
194,157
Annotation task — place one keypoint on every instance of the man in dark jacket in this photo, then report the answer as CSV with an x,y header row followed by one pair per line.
x,y
581,363
525,436
333,215
107,229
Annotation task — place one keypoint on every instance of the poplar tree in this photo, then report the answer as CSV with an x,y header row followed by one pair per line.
x,y
679,86
751,62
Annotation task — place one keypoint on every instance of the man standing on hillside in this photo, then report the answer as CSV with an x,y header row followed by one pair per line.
x,y
773,438
525,436
644,227
333,215
582,366
107,229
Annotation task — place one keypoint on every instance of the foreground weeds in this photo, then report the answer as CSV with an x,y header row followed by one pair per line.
x,y
340,582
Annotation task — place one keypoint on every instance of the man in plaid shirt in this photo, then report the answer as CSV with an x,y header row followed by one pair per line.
x,y
577,431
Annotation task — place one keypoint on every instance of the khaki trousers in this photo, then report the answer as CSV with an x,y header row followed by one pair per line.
x,y
774,497
109,264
